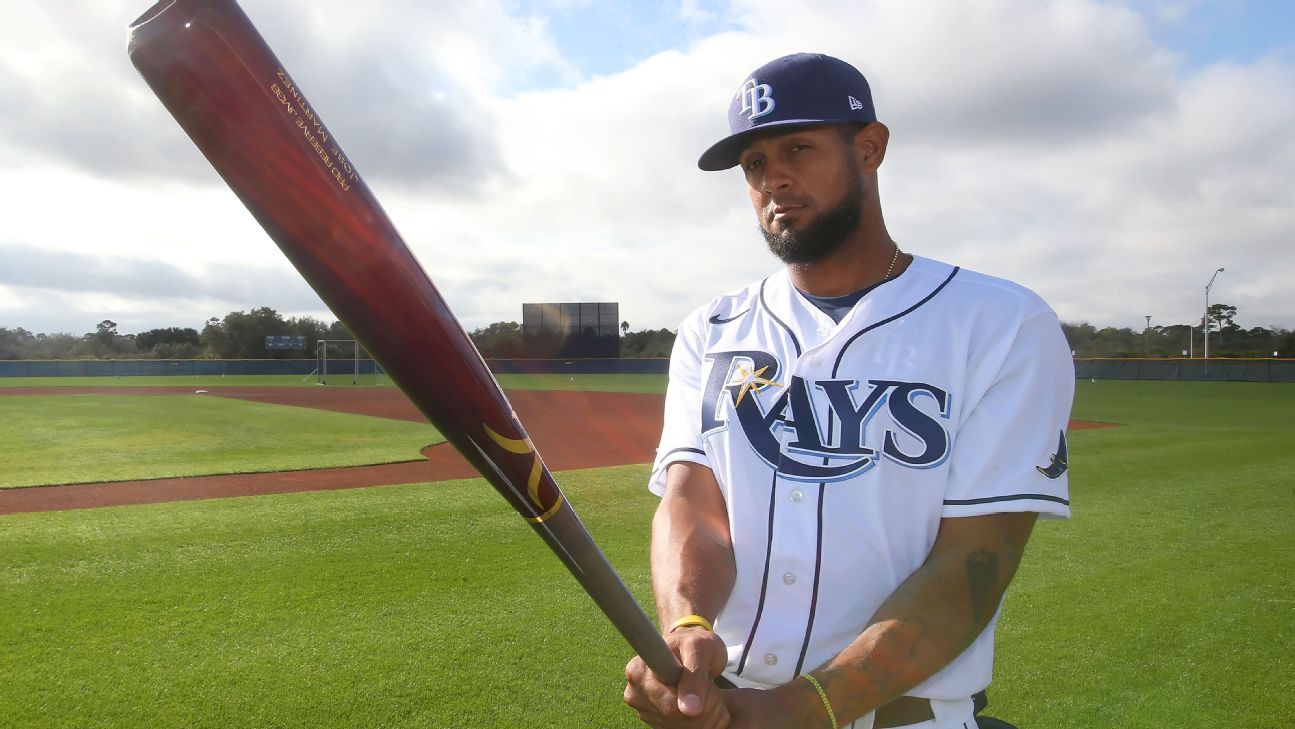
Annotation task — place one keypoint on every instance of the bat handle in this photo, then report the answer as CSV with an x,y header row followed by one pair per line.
x,y
573,545
662,661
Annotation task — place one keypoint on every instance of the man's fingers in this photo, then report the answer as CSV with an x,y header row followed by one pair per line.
x,y
694,702
654,702
690,704
698,659
717,716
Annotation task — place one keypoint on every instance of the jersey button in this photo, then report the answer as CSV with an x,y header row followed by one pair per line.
x,y
789,579
797,495
770,659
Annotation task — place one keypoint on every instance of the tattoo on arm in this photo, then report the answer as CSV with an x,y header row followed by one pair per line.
x,y
982,575
889,660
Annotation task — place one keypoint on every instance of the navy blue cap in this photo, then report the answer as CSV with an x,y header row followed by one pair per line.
x,y
798,90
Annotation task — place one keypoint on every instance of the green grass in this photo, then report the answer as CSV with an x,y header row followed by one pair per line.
x,y
605,383
410,606
53,439
1169,598
1166,602
602,383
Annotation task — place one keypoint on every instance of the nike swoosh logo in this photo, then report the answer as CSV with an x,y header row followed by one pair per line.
x,y
717,320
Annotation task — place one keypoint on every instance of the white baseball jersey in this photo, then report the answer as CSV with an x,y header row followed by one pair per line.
x,y
839,447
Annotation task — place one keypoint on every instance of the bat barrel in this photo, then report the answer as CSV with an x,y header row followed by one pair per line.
x,y
249,118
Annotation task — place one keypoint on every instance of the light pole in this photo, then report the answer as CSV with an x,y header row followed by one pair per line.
x,y
1207,312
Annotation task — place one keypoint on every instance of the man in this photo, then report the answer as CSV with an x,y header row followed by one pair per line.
x,y
855,449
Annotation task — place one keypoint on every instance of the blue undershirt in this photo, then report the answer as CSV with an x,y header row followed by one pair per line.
x,y
838,306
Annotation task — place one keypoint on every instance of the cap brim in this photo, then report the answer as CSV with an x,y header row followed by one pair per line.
x,y
725,153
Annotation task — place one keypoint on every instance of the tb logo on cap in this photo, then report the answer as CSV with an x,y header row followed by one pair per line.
x,y
757,99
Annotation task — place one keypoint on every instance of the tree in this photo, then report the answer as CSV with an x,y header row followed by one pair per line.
x,y
647,343
15,343
1221,315
625,327
338,330
106,332
213,338
500,340
176,350
309,327
148,341
60,345
241,335
1080,337
104,341
1285,346
1175,340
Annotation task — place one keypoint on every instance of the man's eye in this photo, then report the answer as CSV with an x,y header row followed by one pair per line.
x,y
799,147
753,164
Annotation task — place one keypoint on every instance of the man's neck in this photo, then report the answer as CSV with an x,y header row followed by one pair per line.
x,y
860,262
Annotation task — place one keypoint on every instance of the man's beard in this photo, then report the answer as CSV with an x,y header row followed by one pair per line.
x,y
821,236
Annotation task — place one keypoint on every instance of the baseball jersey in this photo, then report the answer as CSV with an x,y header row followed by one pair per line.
x,y
839,447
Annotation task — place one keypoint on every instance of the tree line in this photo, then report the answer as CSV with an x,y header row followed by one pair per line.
x,y
242,334
237,335
1226,339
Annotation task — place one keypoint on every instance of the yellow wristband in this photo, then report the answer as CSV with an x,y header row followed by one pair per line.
x,y
692,621
822,695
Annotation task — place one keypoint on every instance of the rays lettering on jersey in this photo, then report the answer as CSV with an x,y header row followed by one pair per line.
x,y
913,438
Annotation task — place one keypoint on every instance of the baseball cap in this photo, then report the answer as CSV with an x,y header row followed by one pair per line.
x,y
798,90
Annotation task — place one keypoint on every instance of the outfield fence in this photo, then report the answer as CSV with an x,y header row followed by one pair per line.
x,y
302,367
154,367
1237,370
1218,370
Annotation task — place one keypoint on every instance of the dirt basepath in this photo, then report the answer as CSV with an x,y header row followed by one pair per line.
x,y
571,430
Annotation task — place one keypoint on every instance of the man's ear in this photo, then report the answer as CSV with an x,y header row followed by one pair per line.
x,y
870,144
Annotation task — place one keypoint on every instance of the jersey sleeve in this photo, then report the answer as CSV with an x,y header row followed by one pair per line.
x,y
681,432
1010,451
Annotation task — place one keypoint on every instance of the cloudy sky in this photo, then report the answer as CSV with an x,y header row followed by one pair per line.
x,y
1110,155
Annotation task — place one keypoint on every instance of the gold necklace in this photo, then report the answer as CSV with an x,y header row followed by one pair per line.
x,y
891,269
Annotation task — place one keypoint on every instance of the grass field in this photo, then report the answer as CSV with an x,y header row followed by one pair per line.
x,y
54,439
605,383
1168,601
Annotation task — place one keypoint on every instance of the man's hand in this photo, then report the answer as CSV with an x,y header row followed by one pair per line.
x,y
692,575
696,703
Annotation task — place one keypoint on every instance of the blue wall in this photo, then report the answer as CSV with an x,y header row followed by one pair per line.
x,y
301,367
1244,370
156,367
1231,370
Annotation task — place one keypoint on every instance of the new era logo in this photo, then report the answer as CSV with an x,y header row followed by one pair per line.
x,y
855,104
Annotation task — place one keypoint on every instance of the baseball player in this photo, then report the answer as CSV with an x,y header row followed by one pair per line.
x,y
855,449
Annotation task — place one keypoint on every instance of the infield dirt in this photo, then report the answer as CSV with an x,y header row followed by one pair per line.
x,y
571,430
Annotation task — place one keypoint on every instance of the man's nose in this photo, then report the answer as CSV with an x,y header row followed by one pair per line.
x,y
775,179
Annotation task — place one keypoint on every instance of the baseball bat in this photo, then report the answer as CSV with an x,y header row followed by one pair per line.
x,y
222,83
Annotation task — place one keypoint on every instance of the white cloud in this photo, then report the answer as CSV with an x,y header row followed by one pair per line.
x,y
1052,143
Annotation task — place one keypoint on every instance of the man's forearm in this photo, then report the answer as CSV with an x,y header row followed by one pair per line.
x,y
692,553
931,618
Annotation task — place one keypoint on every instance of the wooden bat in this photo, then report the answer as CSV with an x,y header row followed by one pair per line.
x,y
218,78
